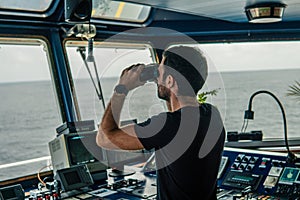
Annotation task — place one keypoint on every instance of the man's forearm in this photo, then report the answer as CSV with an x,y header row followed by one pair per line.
x,y
111,117
110,135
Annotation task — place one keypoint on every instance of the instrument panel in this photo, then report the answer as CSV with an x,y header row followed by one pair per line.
x,y
251,174
243,174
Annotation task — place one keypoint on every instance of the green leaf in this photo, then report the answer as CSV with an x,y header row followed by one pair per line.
x,y
203,96
294,90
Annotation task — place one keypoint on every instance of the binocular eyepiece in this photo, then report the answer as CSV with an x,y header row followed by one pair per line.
x,y
150,72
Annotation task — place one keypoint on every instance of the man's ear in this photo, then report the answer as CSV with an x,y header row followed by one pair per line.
x,y
170,81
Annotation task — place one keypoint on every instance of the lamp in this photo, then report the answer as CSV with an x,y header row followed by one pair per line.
x,y
78,10
249,114
265,12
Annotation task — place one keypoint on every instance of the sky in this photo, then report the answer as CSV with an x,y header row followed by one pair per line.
x,y
22,63
254,56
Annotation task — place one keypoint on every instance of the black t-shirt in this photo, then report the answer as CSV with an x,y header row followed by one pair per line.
x,y
188,146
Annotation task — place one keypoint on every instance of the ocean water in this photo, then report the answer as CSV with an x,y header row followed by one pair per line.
x,y
29,112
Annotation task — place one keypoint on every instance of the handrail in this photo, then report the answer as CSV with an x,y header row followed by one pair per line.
x,y
24,162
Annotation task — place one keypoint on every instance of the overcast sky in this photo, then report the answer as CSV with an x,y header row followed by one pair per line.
x,y
27,63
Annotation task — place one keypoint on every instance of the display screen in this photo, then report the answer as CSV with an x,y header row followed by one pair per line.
x,y
13,192
72,177
8,194
241,180
246,179
78,152
289,175
83,149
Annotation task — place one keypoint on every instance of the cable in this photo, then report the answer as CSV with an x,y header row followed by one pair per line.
x,y
246,126
38,174
243,125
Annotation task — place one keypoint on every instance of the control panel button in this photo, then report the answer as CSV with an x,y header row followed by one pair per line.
x,y
235,165
253,159
246,159
250,167
239,158
242,166
264,162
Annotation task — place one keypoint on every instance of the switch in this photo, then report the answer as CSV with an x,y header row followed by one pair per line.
x,y
235,165
246,159
264,162
253,159
240,157
250,167
242,166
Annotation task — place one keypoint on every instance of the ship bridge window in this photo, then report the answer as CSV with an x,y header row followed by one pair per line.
x,y
110,59
28,5
118,10
28,107
249,67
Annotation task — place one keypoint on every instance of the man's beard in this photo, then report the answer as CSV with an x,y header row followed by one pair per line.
x,y
163,92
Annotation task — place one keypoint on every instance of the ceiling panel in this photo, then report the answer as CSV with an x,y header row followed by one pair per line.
x,y
230,10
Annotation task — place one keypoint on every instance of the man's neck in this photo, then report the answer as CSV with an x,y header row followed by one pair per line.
x,y
178,102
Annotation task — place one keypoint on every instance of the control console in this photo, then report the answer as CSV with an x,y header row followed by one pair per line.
x,y
262,175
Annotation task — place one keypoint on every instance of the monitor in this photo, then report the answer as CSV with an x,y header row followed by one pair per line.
x,y
73,149
13,192
75,177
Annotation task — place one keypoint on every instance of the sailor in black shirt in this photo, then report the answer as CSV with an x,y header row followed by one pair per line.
x,y
185,176
188,140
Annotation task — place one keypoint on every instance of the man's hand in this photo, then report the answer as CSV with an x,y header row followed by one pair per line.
x,y
130,76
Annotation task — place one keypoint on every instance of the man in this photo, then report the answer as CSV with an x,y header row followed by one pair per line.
x,y
188,140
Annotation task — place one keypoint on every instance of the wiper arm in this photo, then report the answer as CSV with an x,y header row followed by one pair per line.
x,y
99,89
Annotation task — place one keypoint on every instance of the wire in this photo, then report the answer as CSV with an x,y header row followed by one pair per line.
x,y
246,125
243,125
38,174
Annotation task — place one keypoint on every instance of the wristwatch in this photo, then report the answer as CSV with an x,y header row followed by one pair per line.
x,y
121,89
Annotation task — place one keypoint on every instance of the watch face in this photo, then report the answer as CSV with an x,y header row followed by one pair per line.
x,y
121,89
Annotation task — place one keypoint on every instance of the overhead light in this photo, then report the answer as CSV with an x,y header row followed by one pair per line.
x,y
265,12
78,10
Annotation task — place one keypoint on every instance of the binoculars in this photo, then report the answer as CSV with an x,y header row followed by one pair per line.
x,y
150,72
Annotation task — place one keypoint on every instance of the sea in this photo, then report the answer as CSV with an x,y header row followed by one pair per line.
x,y
29,113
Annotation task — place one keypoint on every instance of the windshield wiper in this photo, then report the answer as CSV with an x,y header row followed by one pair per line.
x,y
98,89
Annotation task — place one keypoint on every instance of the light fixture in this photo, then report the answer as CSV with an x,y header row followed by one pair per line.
x,y
78,10
265,12
249,114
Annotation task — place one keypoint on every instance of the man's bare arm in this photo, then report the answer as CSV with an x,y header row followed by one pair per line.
x,y
110,134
